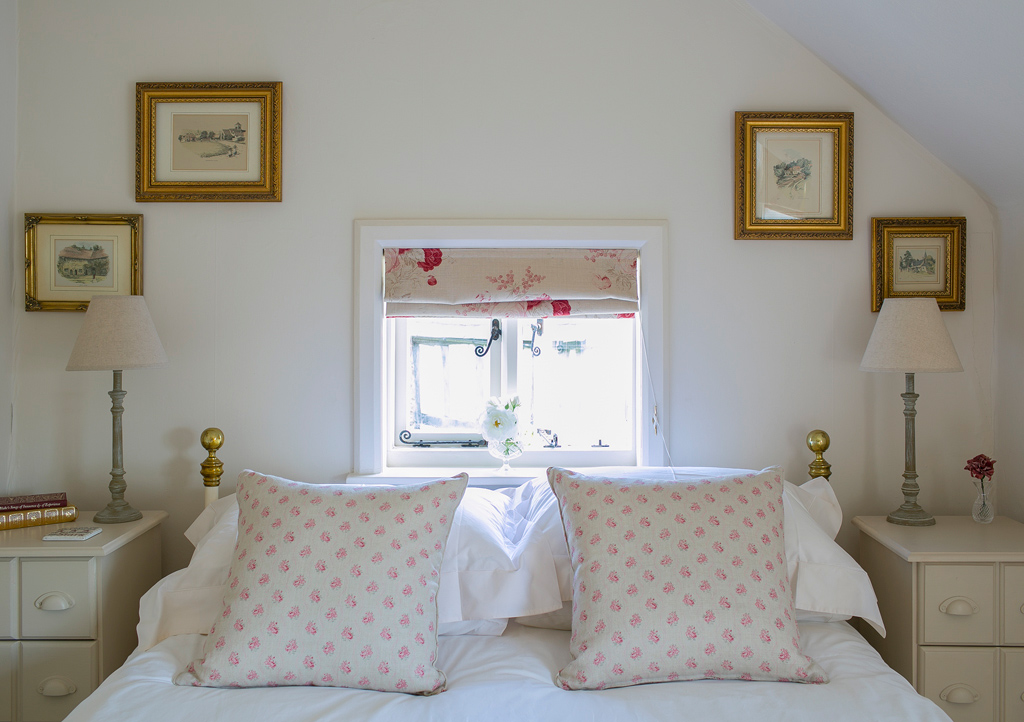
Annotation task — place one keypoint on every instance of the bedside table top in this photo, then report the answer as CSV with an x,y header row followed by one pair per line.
x,y
952,539
28,541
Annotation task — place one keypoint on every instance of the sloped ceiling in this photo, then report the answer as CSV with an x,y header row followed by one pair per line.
x,y
949,72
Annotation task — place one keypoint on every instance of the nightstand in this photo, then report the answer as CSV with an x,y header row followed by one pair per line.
x,y
68,611
952,599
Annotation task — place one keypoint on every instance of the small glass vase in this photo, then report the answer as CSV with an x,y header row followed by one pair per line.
x,y
983,511
505,451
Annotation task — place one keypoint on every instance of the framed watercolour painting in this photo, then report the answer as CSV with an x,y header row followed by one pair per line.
x,y
794,175
913,257
69,258
208,141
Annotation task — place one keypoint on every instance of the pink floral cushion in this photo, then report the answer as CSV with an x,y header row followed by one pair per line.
x,y
332,585
678,580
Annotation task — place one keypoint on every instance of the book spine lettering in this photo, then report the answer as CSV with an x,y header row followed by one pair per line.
x,y
37,517
33,501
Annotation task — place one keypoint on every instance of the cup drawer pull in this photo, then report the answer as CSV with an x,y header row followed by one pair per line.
x,y
54,602
959,607
959,694
57,687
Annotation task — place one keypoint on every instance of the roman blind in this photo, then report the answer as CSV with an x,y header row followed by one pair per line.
x,y
511,282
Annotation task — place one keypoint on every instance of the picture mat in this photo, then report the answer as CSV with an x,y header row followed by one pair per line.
x,y
919,282
772,147
46,238
165,140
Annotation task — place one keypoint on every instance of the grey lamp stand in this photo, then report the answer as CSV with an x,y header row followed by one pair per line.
x,y
117,510
910,512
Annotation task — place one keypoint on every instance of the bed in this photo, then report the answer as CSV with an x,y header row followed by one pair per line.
x,y
510,607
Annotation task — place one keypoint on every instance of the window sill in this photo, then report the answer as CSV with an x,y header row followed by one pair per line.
x,y
492,478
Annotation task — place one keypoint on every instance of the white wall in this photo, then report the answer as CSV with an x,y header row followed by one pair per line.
x,y
461,108
10,240
1010,361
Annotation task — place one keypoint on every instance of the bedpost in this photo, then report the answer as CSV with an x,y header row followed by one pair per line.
x,y
818,442
212,439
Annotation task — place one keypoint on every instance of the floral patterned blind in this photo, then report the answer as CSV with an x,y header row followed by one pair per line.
x,y
511,282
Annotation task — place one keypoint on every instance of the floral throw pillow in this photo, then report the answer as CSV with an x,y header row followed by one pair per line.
x,y
332,585
678,581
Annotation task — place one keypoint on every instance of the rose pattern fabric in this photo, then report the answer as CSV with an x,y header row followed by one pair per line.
x,y
510,283
332,585
678,581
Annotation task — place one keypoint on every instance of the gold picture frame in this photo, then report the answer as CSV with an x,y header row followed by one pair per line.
x,y
794,175
208,141
71,257
919,257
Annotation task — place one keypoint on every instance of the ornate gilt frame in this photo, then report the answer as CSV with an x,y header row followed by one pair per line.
x,y
43,298
753,131
949,235
152,183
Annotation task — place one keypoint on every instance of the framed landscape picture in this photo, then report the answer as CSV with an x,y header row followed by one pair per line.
x,y
794,175
208,141
69,258
914,257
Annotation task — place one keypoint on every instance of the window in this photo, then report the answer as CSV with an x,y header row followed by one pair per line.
x,y
421,374
576,378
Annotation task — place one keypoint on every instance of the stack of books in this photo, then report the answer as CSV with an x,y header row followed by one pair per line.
x,y
35,510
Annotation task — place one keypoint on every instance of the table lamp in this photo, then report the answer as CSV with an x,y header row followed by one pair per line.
x,y
910,337
117,334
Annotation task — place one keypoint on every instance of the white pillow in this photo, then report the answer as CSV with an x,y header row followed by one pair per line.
x,y
500,563
828,584
559,619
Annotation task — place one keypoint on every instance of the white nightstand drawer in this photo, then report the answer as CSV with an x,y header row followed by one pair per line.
x,y
58,598
8,599
1013,604
1013,684
959,604
960,680
8,663
55,677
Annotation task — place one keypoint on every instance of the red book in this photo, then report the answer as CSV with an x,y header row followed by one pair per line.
x,y
33,501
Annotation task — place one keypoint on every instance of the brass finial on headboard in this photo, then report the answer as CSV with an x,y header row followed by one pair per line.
x,y
212,439
818,441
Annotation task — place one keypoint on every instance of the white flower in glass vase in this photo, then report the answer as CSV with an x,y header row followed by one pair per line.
x,y
500,429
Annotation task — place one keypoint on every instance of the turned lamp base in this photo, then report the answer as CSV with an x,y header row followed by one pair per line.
x,y
910,517
910,512
117,514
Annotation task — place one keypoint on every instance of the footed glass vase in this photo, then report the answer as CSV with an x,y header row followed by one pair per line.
x,y
983,511
505,451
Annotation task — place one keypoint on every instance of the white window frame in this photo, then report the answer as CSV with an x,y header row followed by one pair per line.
x,y
505,353
371,237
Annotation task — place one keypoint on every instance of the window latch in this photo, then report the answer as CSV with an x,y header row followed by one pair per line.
x,y
538,330
599,445
550,437
481,351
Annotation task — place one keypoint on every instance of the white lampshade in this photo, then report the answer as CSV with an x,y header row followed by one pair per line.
x,y
117,334
911,337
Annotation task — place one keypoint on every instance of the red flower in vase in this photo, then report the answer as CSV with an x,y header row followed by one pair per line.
x,y
981,467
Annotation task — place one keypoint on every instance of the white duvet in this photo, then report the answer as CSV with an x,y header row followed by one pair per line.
x,y
510,677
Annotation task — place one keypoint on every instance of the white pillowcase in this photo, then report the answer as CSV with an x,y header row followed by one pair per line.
x,y
828,584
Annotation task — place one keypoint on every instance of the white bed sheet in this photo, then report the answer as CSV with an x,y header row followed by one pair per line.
x,y
510,677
